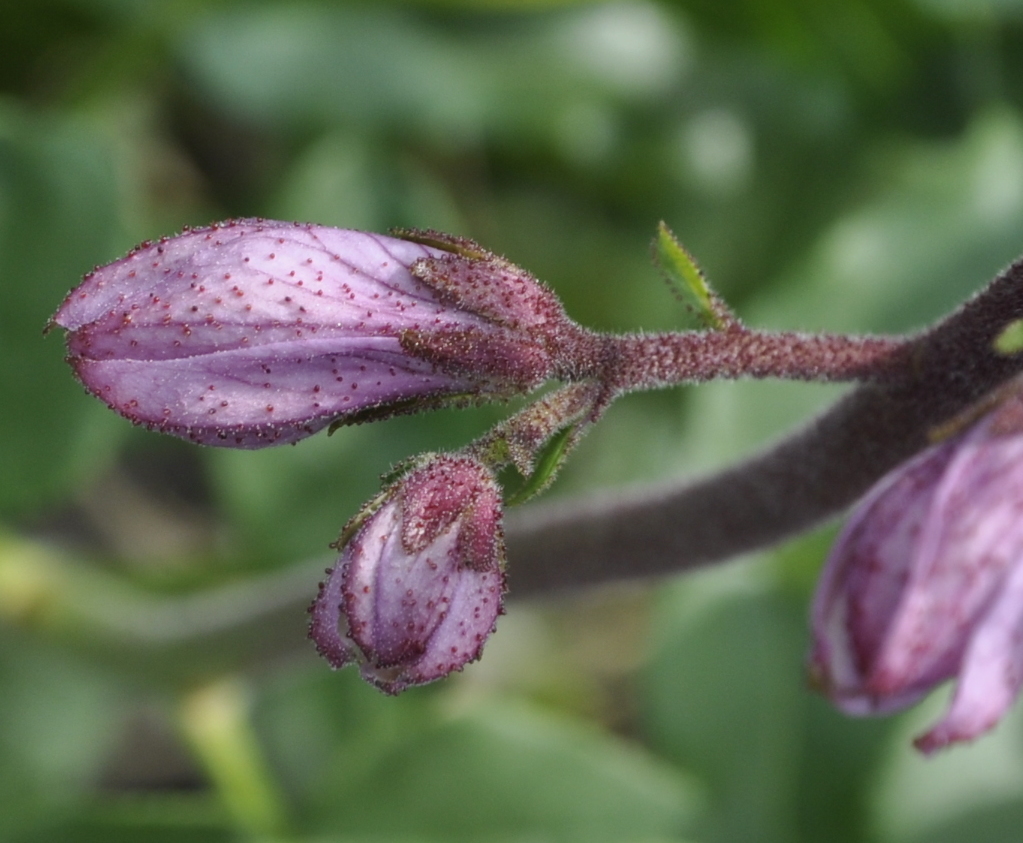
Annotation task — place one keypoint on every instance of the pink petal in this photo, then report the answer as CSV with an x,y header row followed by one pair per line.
x,y
417,606
278,267
471,617
967,547
248,398
253,333
395,600
325,621
865,580
992,671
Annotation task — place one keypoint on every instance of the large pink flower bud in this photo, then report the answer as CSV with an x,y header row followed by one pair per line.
x,y
418,586
925,584
251,332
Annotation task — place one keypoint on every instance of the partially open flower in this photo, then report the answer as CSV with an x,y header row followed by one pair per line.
x,y
418,586
925,584
252,333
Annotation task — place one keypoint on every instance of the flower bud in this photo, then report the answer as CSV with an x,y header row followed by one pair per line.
x,y
251,333
418,586
925,584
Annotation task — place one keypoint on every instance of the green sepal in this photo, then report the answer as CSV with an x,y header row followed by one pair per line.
x,y
445,242
688,282
1010,338
389,481
406,466
554,452
360,518
407,406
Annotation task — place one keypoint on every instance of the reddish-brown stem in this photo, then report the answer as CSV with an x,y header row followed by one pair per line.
x,y
518,439
807,477
649,361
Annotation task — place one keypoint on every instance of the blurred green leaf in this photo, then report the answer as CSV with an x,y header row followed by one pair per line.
x,y
499,771
342,179
944,219
993,823
927,800
58,218
511,773
143,818
57,722
295,64
722,699
302,62
725,697
866,41
972,11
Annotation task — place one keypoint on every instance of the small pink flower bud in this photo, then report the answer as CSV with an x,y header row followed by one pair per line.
x,y
418,586
925,584
251,332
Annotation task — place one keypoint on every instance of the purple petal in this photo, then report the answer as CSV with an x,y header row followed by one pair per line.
x,y
992,669
969,542
290,325
865,581
926,584
248,398
342,278
395,600
361,559
325,621
459,639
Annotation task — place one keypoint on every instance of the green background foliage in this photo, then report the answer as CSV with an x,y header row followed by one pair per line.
x,y
848,165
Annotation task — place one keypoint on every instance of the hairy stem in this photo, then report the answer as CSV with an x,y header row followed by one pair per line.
x,y
656,360
809,476
517,439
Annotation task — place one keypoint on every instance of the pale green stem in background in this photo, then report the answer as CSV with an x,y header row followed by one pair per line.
x,y
167,640
215,721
